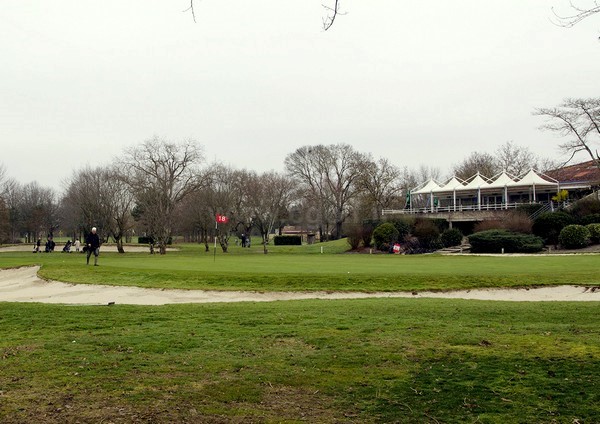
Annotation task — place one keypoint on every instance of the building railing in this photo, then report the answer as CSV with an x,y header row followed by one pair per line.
x,y
463,208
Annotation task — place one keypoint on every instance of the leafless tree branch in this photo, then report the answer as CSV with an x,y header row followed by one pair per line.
x,y
332,13
578,14
191,9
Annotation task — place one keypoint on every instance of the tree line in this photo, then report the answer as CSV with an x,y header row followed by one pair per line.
x,y
162,188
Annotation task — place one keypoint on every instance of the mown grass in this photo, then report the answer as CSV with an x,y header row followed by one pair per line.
x,y
304,268
376,360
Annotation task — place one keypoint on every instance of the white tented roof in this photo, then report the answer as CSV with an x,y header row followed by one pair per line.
x,y
479,182
503,180
534,179
431,186
476,183
452,185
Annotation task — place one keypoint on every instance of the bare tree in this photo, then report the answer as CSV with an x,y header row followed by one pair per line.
x,y
380,185
224,195
161,174
119,201
477,162
195,217
332,11
577,14
578,119
3,179
517,160
4,210
86,202
241,210
270,195
13,197
514,159
409,179
38,210
329,175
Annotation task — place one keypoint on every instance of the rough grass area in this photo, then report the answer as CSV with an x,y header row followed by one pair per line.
x,y
394,360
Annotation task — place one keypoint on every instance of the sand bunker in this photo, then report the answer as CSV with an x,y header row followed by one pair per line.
x,y
23,285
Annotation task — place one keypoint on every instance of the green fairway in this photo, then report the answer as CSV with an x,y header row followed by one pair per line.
x,y
305,268
376,360
403,360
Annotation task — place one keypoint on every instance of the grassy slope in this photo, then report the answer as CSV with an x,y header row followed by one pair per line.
x,y
400,360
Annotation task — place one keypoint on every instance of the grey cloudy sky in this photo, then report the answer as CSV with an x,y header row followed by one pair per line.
x,y
252,80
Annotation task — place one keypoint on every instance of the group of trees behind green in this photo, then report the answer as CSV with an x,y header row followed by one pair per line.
x,y
160,189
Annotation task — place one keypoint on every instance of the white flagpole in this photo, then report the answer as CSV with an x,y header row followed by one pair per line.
x,y
215,249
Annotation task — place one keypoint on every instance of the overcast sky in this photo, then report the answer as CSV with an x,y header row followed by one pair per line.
x,y
252,80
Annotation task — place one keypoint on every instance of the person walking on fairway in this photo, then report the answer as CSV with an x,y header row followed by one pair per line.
x,y
92,243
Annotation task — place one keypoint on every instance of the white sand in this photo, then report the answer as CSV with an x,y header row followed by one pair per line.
x,y
23,285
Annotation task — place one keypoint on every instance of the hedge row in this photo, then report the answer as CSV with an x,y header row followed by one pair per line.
x,y
150,240
497,241
287,240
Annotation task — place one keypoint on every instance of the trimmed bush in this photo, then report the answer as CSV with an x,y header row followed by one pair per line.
x,y
585,207
428,234
549,225
451,237
354,234
287,240
404,227
367,232
493,241
574,237
384,235
594,230
593,218
150,240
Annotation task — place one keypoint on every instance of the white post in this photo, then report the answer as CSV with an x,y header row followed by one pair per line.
x,y
454,199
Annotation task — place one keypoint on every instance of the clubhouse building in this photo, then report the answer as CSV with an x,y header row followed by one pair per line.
x,y
502,191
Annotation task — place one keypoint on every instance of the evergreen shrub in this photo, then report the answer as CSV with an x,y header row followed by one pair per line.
x,y
354,235
404,226
451,237
150,240
384,235
594,230
493,241
593,218
549,225
428,233
287,240
574,236
367,232
585,207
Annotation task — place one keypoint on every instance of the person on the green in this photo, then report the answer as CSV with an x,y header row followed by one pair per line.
x,y
92,243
